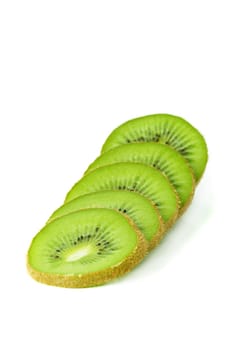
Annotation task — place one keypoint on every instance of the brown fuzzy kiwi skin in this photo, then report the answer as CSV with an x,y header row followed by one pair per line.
x,y
164,227
173,219
189,201
160,234
95,278
195,183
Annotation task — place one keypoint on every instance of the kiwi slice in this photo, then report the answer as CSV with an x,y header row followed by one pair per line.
x,y
167,129
138,208
159,156
86,248
134,177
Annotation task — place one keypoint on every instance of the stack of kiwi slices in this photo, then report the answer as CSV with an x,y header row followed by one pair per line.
x,y
121,208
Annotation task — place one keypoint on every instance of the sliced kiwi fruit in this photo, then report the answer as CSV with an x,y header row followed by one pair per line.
x,y
167,129
158,156
128,197
87,248
131,204
134,177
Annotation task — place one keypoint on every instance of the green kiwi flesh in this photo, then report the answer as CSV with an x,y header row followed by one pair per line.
x,y
166,129
86,248
134,177
138,208
159,156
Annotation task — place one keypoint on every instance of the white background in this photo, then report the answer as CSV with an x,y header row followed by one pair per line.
x,y
70,72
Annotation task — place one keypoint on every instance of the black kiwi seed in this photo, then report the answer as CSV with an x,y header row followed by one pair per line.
x,y
183,151
156,137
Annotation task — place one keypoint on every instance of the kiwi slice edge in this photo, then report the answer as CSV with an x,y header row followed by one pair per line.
x,y
94,278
